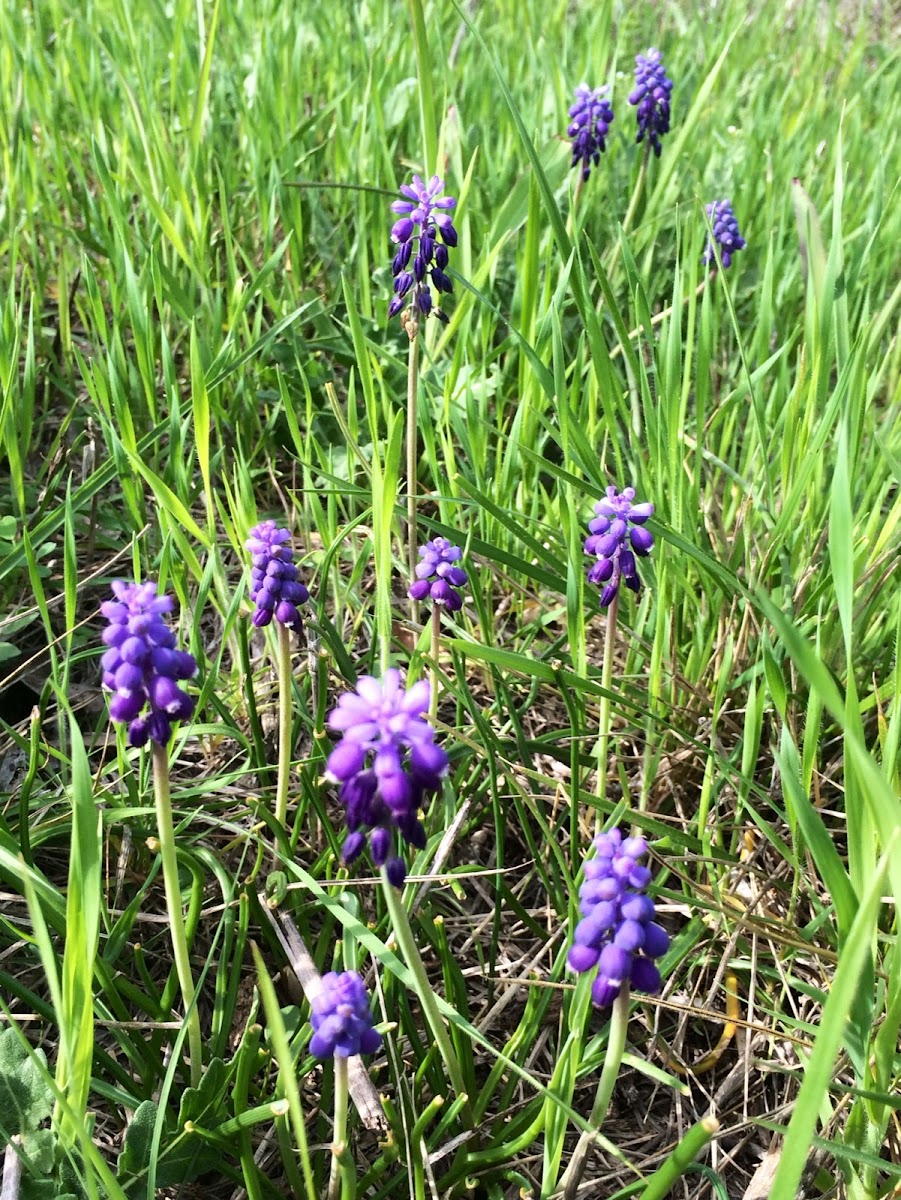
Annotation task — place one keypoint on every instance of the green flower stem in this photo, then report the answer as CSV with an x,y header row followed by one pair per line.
x,y
604,716
166,832
339,1139
662,1181
285,684
407,943
433,669
616,1045
633,207
412,456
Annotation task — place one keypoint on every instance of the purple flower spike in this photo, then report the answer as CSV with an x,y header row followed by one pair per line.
x,y
725,233
274,586
142,667
652,96
616,536
592,116
385,763
617,933
341,1020
421,258
438,575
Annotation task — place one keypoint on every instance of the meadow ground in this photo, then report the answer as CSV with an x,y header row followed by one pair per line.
x,y
194,337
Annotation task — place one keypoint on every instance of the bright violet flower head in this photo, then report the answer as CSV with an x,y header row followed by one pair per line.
x,y
652,96
341,1020
142,667
438,576
385,763
421,258
725,233
617,933
616,535
274,586
592,116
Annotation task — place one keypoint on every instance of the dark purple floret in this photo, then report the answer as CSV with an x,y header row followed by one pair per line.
x,y
616,535
652,96
142,667
438,576
341,1020
274,587
592,116
617,933
421,258
386,763
725,233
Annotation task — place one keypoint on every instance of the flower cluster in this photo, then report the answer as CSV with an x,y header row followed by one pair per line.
x,y
274,586
142,666
725,233
652,96
423,217
617,933
616,519
592,116
385,763
437,576
341,1020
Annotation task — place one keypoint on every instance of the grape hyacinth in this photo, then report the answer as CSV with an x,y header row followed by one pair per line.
x,y
142,666
274,586
341,1020
617,933
386,763
616,517
438,577
652,96
725,233
592,116
423,217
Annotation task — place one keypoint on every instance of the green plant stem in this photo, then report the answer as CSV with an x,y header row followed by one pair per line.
x,y
634,200
616,1045
604,714
661,1183
166,833
407,943
412,458
285,684
339,1139
433,669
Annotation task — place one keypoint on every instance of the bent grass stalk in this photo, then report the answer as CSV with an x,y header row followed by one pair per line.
x,y
166,833
407,943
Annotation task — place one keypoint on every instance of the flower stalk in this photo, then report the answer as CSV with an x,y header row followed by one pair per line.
x,y
613,1058
166,834
403,934
285,687
340,1157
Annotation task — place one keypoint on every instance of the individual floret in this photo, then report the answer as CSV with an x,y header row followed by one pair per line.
x,y
617,933
421,258
616,535
651,94
274,587
725,233
438,576
142,667
592,116
385,763
341,1020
